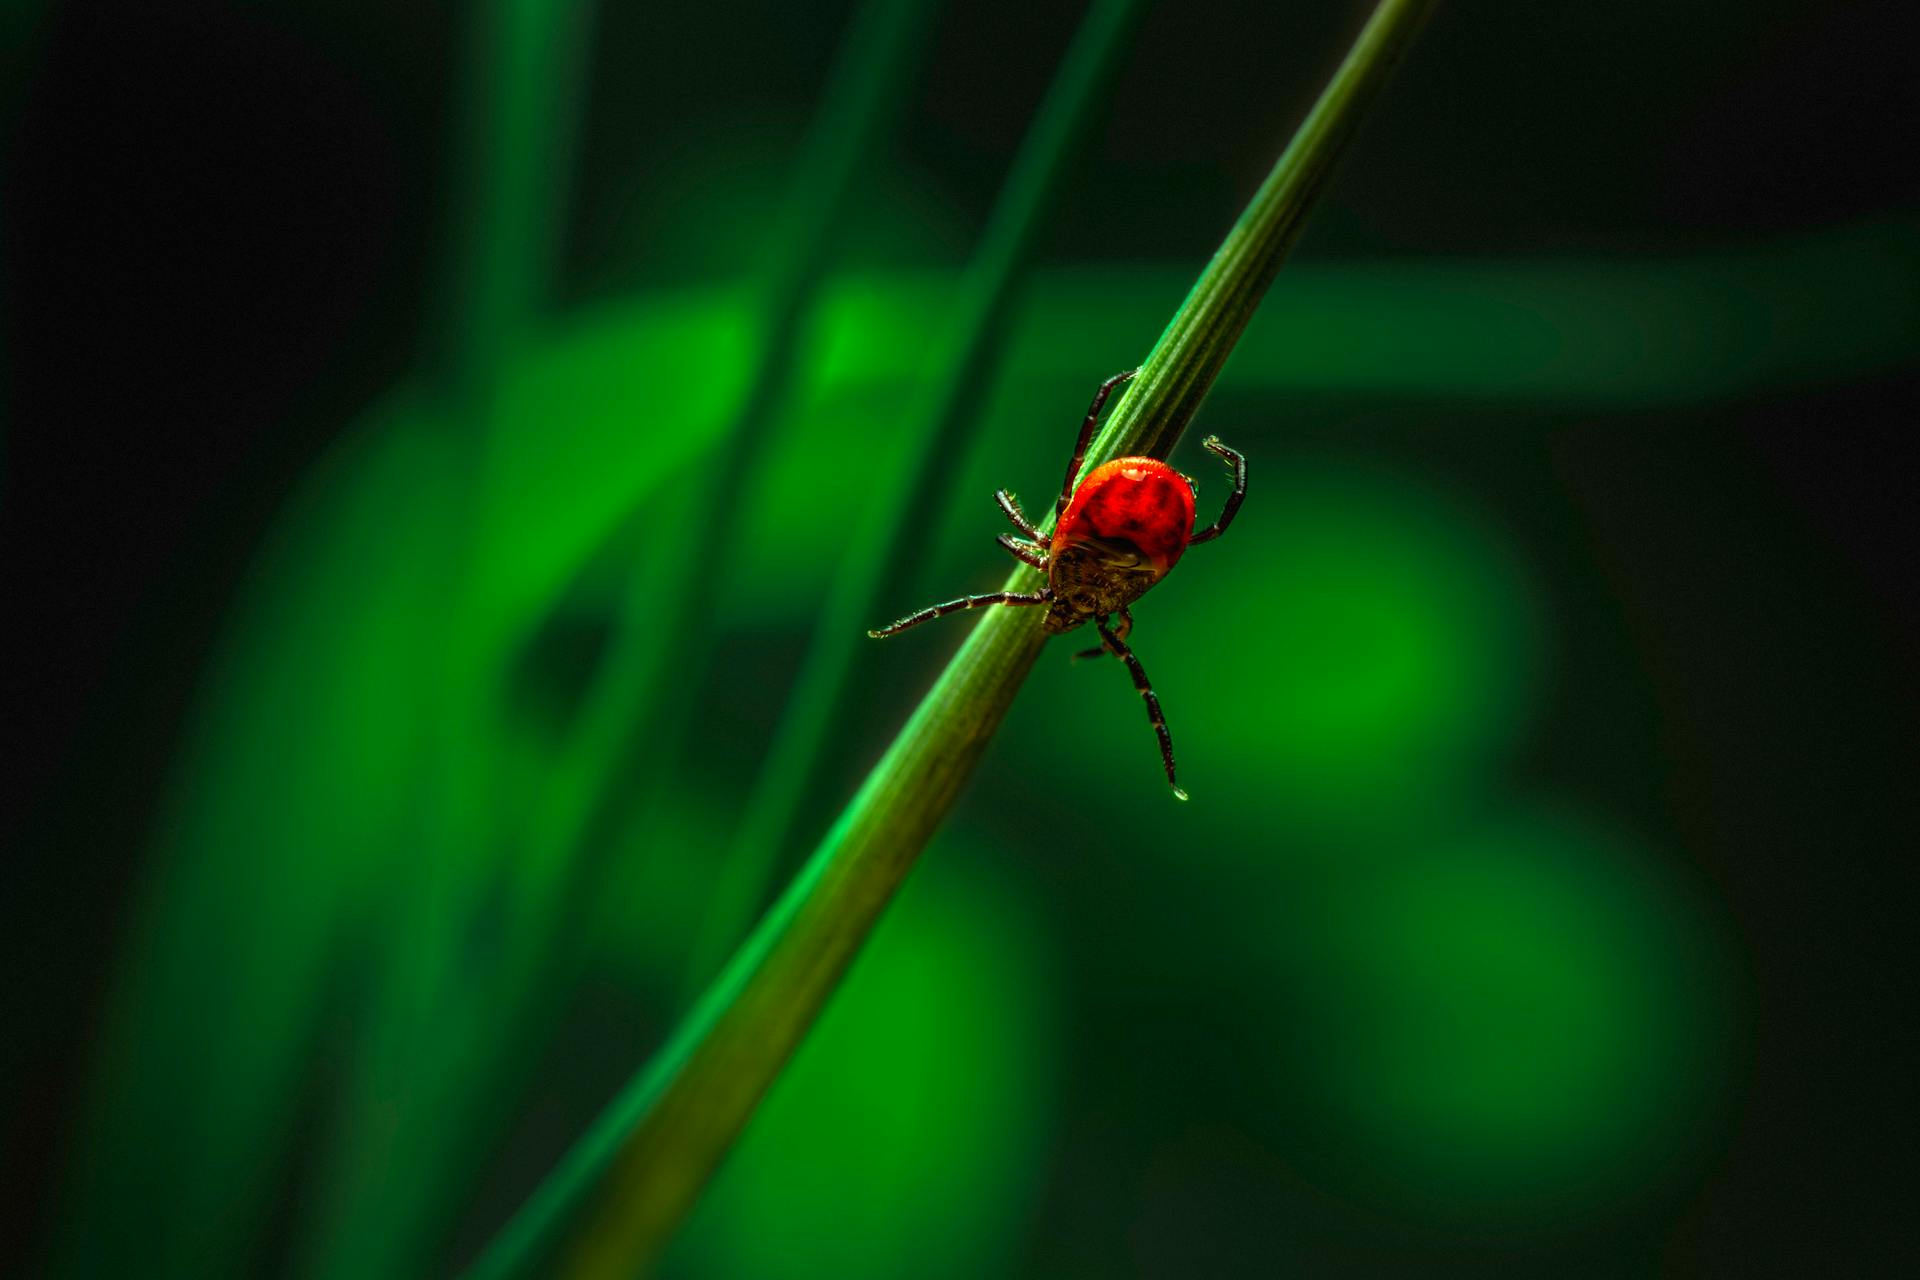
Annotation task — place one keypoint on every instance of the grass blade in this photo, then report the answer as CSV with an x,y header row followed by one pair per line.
x,y
621,1191
641,694
492,1026
882,549
380,1185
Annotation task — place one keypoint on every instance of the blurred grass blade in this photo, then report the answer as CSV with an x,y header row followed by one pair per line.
x,y
517,108
383,1184
620,1192
884,547
452,1029
643,692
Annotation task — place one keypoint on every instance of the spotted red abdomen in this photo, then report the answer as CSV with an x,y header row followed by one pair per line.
x,y
1142,501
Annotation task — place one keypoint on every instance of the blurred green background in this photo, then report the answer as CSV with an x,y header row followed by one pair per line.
x,y
1543,904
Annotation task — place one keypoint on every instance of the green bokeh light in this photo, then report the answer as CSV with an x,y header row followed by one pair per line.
x,y
392,943
1518,1025
1367,662
1362,674
909,1134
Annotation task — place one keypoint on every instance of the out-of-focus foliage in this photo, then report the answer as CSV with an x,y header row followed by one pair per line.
x,y
1430,973
1352,673
944,1040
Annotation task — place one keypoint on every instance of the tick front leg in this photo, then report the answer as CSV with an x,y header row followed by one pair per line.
x,y
1140,682
1086,436
1020,549
1010,505
931,612
1234,459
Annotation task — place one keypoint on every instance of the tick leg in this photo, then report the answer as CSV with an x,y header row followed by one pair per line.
x,y
1030,552
1123,630
1011,506
931,612
1086,435
1233,458
1140,682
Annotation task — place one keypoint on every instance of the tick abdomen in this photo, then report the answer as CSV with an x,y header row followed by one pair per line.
x,y
1142,502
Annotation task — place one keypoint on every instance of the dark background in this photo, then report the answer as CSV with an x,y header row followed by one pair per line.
x,y
220,229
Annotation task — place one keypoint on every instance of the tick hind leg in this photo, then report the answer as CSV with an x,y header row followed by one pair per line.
x,y
1145,686
1122,631
931,612
1086,437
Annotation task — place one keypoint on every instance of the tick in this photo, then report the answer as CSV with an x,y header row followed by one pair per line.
x,y
1117,531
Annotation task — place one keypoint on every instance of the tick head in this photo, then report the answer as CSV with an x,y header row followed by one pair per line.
x,y
1069,609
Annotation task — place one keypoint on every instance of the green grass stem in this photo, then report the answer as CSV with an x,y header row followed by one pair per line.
x,y
619,1193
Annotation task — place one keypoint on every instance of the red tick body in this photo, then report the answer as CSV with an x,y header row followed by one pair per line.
x,y
1119,530
1141,500
1126,526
